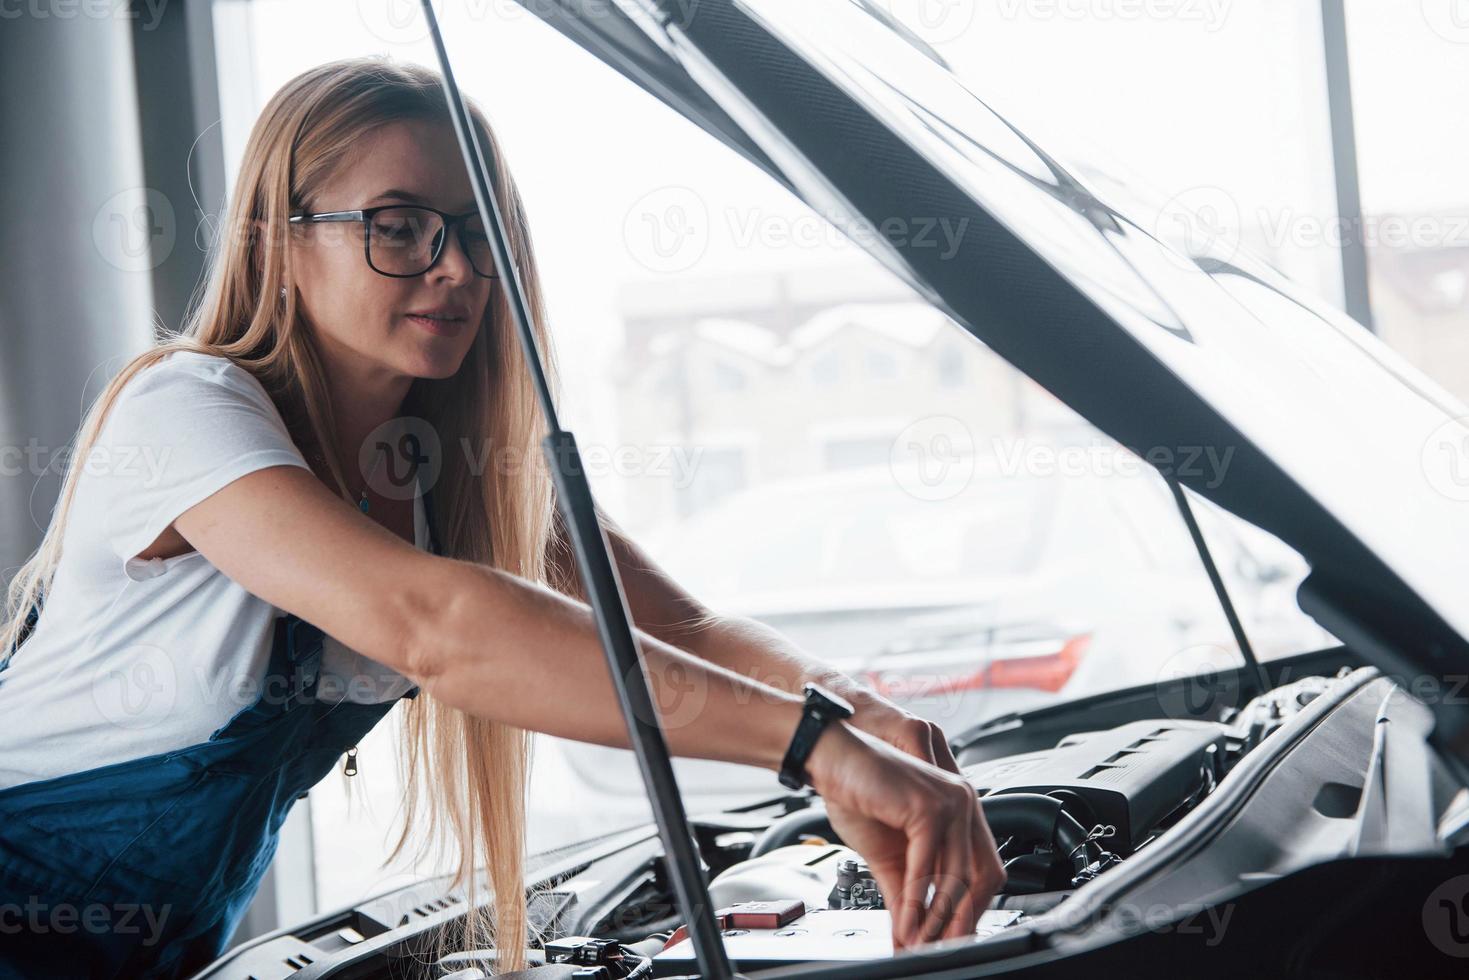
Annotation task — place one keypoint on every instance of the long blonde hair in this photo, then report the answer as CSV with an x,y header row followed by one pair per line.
x,y
473,772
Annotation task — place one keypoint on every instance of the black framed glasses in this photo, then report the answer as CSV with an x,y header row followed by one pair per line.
x,y
406,240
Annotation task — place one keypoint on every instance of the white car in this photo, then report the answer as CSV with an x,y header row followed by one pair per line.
x,y
1018,590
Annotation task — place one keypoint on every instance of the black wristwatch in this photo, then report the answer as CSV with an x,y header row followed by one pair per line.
x,y
822,707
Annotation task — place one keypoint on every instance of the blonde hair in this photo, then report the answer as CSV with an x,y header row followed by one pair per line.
x,y
471,772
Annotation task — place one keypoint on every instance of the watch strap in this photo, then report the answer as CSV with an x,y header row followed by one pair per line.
x,y
820,709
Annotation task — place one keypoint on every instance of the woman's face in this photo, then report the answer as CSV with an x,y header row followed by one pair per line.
x,y
360,317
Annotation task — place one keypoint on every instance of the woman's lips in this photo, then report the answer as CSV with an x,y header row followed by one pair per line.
x,y
435,325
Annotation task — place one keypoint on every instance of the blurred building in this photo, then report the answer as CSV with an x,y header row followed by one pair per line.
x,y
748,379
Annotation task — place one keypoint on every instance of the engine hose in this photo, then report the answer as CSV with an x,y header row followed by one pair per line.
x,y
1031,817
1039,818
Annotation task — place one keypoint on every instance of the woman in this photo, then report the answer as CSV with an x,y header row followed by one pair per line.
x,y
217,628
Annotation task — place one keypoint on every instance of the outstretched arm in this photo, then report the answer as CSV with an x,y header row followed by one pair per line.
x,y
502,647
664,609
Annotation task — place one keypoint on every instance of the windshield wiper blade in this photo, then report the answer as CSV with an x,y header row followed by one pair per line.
x,y
1254,672
594,561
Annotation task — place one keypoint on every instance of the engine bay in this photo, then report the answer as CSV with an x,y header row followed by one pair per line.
x,y
1061,817
1157,805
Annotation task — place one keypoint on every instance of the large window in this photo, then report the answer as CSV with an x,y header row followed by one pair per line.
x,y
811,444
1410,69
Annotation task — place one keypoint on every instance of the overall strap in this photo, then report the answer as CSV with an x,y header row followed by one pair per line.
x,y
301,643
290,677
428,516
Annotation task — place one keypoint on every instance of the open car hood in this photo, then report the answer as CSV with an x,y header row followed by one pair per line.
x,y
1171,347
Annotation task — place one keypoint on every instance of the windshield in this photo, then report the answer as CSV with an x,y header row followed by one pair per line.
x,y
832,456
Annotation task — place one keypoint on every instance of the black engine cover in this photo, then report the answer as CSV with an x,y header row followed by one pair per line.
x,y
1131,777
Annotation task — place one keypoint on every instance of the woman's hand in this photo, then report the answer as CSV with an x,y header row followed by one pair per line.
x,y
879,717
916,826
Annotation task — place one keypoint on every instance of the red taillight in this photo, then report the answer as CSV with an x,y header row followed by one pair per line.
x,y
1042,672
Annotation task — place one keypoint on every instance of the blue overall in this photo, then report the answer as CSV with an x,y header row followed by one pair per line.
x,y
144,868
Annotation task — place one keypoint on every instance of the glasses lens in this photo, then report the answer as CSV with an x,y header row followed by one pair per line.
x,y
477,244
402,241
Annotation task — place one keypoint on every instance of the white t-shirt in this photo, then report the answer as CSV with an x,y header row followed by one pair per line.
x,y
131,656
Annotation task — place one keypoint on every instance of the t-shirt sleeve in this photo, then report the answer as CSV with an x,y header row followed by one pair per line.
x,y
181,429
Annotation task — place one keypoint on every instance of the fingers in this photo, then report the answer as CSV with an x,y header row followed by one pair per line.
x,y
916,739
917,872
943,755
917,827
951,913
926,740
965,871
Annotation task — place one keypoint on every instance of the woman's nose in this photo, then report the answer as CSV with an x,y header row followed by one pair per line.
x,y
453,261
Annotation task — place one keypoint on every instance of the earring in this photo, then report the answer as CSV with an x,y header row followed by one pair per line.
x,y
283,292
